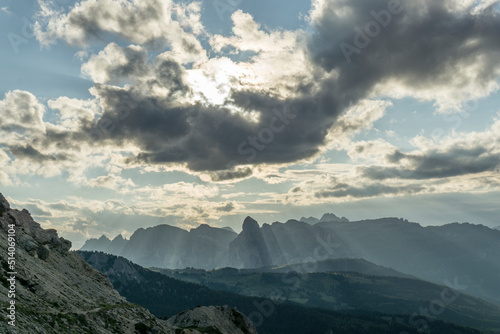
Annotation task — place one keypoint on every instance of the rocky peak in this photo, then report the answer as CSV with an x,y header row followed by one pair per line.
x,y
330,217
250,224
249,249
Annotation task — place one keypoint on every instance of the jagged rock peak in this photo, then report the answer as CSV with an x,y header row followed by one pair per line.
x,y
330,217
4,204
250,224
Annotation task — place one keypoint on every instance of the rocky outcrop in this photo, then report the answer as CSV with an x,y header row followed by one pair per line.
x,y
56,290
213,319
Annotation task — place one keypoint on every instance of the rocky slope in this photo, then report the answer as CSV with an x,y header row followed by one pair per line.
x,y
56,291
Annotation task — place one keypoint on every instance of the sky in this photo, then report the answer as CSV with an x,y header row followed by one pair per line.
x,y
120,114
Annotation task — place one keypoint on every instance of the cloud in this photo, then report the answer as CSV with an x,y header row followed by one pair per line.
x,y
31,153
435,51
6,10
227,175
5,179
459,154
74,113
114,182
433,164
82,225
116,64
228,207
142,22
21,110
367,191
291,96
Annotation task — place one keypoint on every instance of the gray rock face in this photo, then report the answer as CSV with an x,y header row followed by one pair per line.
x,y
169,246
30,245
330,217
222,318
249,249
4,205
310,220
43,253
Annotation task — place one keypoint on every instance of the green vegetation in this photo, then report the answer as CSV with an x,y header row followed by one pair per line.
x,y
165,297
346,291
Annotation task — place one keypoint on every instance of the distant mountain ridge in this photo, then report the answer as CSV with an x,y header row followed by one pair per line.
x,y
335,265
169,246
464,252
327,217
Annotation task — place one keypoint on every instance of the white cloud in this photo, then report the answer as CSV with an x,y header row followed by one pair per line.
x,y
74,112
116,64
147,23
21,110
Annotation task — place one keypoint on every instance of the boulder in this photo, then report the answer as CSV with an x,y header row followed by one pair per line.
x,y
30,245
43,253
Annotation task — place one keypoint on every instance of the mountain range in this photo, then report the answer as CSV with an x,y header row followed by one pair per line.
x,y
164,296
465,253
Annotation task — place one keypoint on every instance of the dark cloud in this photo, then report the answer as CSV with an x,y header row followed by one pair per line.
x,y
226,208
423,46
31,153
455,161
227,175
367,191
210,138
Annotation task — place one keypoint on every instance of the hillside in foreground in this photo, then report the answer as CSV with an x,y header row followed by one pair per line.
x,y
56,291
